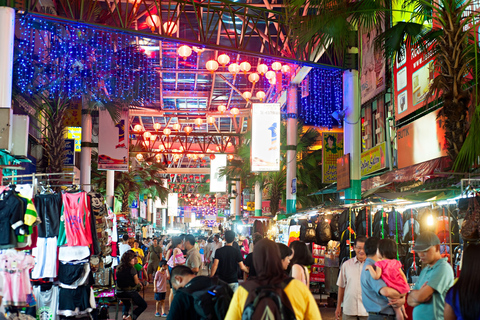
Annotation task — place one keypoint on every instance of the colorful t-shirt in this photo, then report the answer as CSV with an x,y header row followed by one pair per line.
x,y
161,281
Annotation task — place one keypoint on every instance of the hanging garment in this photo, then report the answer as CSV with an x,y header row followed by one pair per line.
x,y
45,258
74,302
49,207
12,211
73,253
75,229
47,303
15,269
26,190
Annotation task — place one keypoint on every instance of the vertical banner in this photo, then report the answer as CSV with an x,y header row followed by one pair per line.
x,y
218,183
373,66
332,146
113,142
343,172
173,204
70,149
265,153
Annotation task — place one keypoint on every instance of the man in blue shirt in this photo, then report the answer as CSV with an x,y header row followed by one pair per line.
x,y
428,294
378,299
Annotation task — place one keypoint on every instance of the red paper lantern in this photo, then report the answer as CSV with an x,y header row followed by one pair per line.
x,y
212,157
202,176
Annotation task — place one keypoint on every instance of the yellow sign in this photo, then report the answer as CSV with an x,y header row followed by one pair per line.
x,y
332,146
374,159
250,206
76,134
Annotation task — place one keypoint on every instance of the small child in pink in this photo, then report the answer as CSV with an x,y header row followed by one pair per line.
x,y
390,270
160,288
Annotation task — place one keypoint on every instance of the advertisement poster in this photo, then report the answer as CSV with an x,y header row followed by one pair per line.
x,y
75,133
373,66
332,146
421,140
173,204
374,159
265,153
218,183
113,142
413,72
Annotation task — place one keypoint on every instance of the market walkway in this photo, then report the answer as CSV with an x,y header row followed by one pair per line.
x,y
327,313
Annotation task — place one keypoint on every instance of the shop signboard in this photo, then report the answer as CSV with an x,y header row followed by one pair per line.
x,y
332,146
266,208
70,152
113,142
218,183
76,134
374,159
222,201
173,204
373,66
421,140
265,152
343,172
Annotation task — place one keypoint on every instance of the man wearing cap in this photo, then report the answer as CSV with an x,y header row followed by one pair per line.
x,y
428,294
378,299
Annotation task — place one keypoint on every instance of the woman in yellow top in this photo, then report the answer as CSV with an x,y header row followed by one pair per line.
x,y
268,265
139,251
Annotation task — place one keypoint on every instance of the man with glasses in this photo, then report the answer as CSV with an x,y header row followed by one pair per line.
x,y
349,289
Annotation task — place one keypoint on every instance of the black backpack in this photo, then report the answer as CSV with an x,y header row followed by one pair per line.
x,y
380,225
212,302
335,227
324,233
267,302
310,233
363,223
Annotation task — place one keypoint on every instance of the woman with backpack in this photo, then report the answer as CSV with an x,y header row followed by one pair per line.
x,y
297,301
302,257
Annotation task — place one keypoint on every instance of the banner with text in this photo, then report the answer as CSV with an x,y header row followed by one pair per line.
x,y
113,142
218,183
332,146
373,66
173,204
265,153
374,159
343,172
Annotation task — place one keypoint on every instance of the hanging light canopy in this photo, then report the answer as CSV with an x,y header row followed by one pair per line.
x,y
169,27
262,68
285,68
260,95
247,95
139,156
276,66
157,126
198,50
138,128
147,135
184,51
272,81
234,68
230,157
158,156
253,77
153,21
270,74
167,131
176,126
223,59
234,111
222,108
210,120
245,66
212,65
198,121
188,129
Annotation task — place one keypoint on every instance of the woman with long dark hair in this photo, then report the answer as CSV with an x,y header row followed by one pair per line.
x,y
128,285
462,300
285,255
302,257
295,296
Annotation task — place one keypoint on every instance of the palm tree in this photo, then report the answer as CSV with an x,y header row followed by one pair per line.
x,y
450,42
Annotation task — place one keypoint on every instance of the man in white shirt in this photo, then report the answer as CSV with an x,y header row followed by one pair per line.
x,y
123,247
349,287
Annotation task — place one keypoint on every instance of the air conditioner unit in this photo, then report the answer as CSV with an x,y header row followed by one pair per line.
x,y
378,116
20,125
379,130
366,137
366,123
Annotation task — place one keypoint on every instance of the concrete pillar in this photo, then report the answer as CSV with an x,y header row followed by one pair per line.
x,y
352,131
258,199
7,27
238,201
110,187
292,102
86,153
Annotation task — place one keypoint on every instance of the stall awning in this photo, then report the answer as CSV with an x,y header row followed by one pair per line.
x,y
331,188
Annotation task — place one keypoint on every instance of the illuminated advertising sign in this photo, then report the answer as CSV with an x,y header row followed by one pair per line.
x,y
218,183
421,140
332,147
173,204
265,152
113,142
374,159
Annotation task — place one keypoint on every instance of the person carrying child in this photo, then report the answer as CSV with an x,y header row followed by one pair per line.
x,y
160,288
390,270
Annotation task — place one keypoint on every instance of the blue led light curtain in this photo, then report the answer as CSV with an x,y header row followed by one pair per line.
x,y
59,59
325,95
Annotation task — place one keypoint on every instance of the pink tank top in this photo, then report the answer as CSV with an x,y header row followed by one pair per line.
x,y
77,219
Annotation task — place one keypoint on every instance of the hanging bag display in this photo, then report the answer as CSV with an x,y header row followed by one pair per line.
x,y
470,225
310,234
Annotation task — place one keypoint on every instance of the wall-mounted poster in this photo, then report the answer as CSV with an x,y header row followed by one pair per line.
x,y
332,146
373,66
113,142
265,153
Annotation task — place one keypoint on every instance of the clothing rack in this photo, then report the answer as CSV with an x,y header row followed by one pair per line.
x,y
36,179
